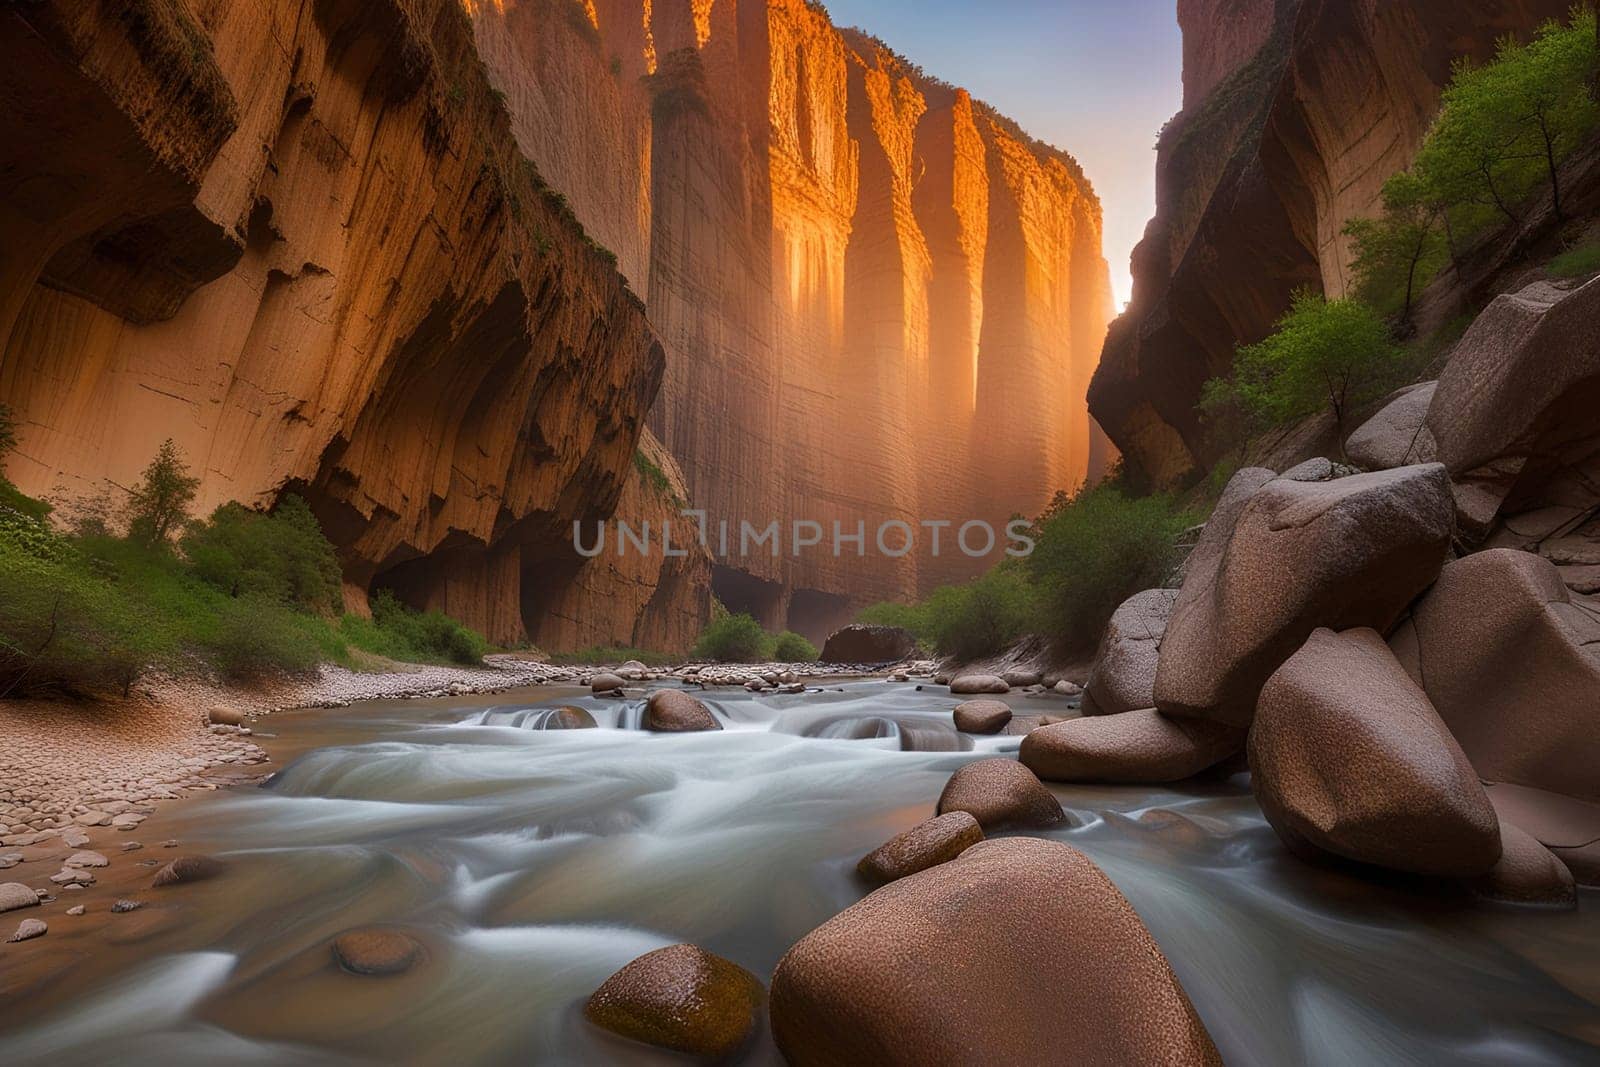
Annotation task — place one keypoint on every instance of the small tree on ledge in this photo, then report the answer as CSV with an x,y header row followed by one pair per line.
x,y
159,504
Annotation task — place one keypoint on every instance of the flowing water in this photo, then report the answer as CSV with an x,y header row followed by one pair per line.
x,y
533,862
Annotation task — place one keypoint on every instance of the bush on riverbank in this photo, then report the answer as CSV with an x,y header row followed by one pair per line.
x,y
733,639
790,647
243,594
1093,549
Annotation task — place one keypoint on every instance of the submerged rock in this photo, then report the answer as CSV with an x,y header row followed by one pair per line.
x,y
1347,755
982,716
674,711
680,997
937,840
1133,746
979,683
186,869
376,951
1017,951
1001,793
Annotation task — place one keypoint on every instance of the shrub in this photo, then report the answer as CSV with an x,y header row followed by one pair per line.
x,y
1093,552
982,617
912,618
790,647
1577,263
1324,354
65,628
734,639
282,557
159,504
8,430
256,637
402,633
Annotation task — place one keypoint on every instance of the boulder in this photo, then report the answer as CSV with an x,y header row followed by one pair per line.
x,y
1131,746
1021,678
1346,553
860,643
568,717
1567,826
1527,874
1347,755
29,929
1123,675
224,716
982,716
979,683
606,683
1515,405
1018,951
376,951
1001,793
1512,663
680,997
186,869
674,711
15,895
1201,562
1397,435
937,840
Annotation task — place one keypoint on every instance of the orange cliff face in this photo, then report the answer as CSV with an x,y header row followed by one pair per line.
x,y
1295,113
878,299
298,239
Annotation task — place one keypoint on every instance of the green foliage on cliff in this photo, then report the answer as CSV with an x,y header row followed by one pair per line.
x,y
1324,355
241,595
1093,549
1497,144
1576,263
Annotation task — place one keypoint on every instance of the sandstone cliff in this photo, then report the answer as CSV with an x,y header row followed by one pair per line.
x,y
878,298
1295,113
297,237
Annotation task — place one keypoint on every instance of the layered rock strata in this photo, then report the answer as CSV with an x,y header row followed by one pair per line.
x,y
879,299
298,238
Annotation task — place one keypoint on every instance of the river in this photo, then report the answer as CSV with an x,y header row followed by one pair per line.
x,y
533,863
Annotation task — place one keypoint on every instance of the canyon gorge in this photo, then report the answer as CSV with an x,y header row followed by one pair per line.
x,y
1295,112
461,275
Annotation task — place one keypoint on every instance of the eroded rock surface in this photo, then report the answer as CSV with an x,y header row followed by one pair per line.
x,y
1130,746
1123,675
1017,951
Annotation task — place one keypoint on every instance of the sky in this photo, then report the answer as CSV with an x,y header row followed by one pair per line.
x,y
1095,77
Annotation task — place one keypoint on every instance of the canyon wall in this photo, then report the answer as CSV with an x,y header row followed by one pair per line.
x,y
1295,112
297,237
878,299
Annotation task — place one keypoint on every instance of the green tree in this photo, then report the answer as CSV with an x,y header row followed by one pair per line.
x,y
159,504
1323,355
1549,91
8,431
1396,253
282,557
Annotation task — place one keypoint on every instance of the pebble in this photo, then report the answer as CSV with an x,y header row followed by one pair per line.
x,y
131,846
75,839
76,909
86,859
122,906
69,876
29,929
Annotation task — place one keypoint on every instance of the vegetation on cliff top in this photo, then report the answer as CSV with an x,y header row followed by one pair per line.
x,y
241,594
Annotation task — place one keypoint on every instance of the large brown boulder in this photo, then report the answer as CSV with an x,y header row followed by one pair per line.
x,y
1516,403
1017,951
860,643
1345,553
1512,662
1001,793
674,711
934,841
1132,746
680,997
979,683
1123,675
1527,874
1396,436
982,716
1347,755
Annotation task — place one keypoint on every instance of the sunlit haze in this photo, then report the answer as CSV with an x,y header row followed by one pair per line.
x,y
1095,78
